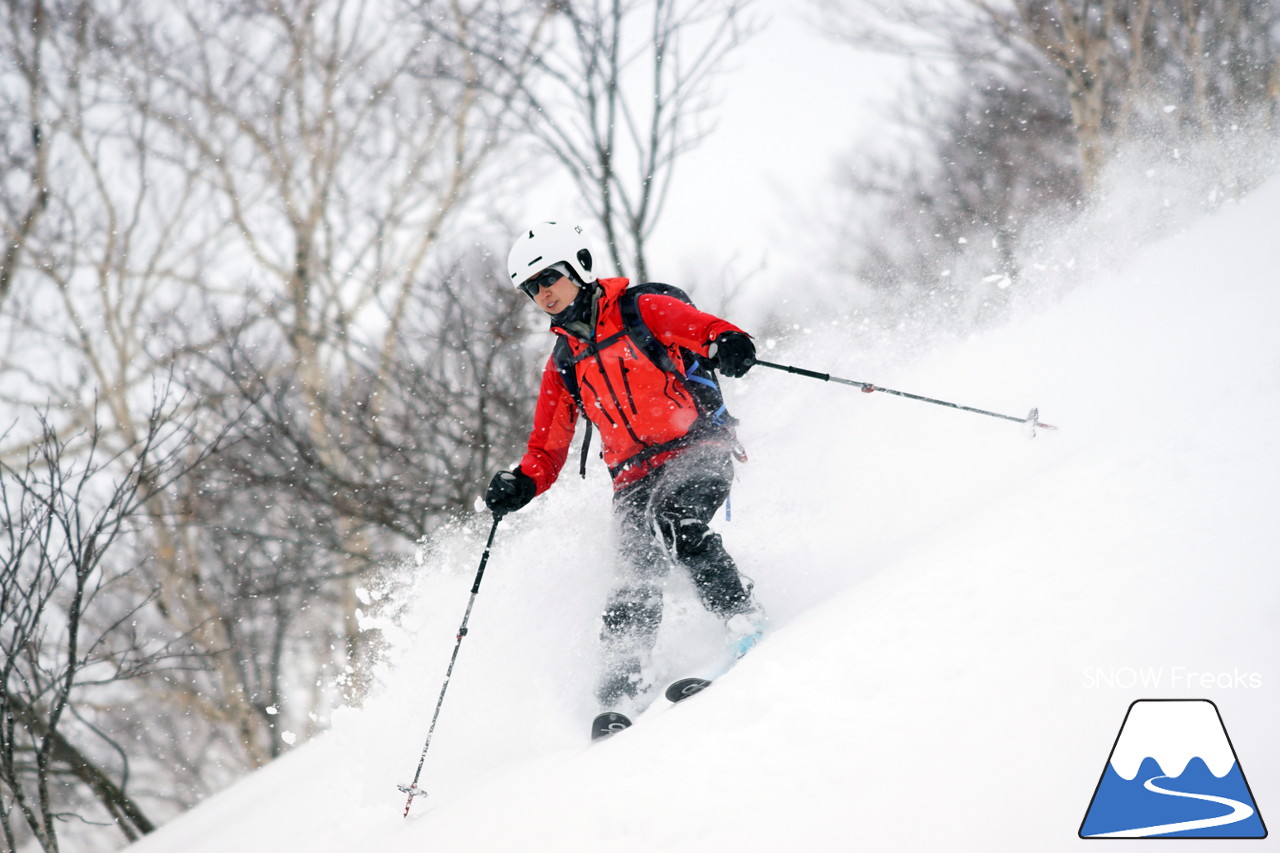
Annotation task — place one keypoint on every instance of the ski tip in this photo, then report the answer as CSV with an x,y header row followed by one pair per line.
x,y
609,723
686,687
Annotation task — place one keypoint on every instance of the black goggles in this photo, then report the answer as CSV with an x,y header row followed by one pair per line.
x,y
546,278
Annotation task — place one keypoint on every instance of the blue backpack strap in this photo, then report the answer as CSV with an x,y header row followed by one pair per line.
x,y
692,375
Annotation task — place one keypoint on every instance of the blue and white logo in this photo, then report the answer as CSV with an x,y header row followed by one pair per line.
x,y
1173,773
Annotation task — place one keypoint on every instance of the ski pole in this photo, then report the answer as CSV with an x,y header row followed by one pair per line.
x,y
1031,421
412,788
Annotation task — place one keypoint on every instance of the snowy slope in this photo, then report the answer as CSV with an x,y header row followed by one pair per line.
x,y
961,616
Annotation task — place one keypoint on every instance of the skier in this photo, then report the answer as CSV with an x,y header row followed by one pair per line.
x,y
671,463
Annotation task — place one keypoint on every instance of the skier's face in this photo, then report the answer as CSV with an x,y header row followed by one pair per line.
x,y
557,296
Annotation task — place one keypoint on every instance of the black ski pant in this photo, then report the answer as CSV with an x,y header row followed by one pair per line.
x,y
660,520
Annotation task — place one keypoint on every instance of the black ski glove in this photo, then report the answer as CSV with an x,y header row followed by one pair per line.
x,y
733,354
509,491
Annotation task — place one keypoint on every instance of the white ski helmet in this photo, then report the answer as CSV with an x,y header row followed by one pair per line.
x,y
547,243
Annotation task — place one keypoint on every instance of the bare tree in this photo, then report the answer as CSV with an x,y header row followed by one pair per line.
x,y
320,150
24,169
1118,63
99,264
614,90
463,374
309,168
937,221
1038,98
291,521
122,248
339,142
70,517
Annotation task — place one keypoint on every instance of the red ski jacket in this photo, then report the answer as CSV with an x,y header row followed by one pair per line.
x,y
636,406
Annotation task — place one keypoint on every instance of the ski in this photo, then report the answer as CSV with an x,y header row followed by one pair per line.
x,y
686,687
611,722
608,723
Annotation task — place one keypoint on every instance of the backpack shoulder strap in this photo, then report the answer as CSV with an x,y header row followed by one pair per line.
x,y
639,331
565,361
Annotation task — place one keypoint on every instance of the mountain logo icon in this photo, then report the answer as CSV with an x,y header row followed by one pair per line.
x,y
1173,773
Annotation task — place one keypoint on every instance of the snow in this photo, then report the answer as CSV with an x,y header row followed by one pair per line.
x,y
961,616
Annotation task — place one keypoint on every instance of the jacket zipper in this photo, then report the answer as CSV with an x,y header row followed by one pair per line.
x,y
596,399
604,374
631,398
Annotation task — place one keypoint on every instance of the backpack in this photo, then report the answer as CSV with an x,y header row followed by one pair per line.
x,y
699,378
